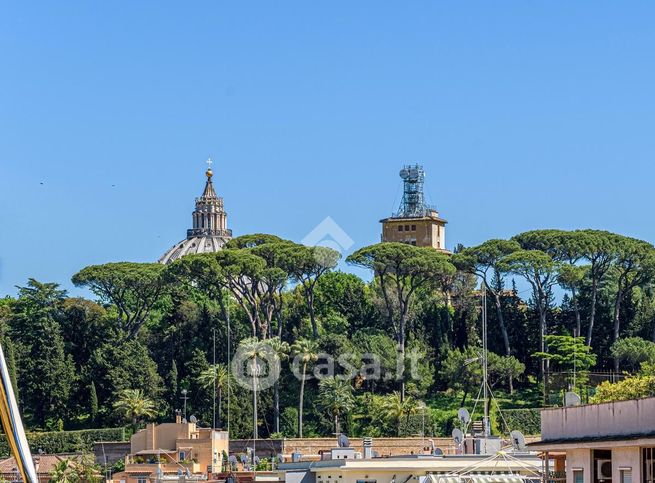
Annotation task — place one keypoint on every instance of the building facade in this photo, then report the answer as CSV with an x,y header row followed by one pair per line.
x,y
209,232
165,451
600,443
415,223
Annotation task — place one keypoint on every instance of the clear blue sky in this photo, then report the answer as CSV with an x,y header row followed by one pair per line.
x,y
525,115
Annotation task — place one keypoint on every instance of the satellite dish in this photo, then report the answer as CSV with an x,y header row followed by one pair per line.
x,y
233,460
243,458
280,458
572,399
437,452
343,441
184,420
458,436
256,460
193,419
518,440
464,416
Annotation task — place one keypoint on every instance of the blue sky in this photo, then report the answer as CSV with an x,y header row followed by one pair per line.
x,y
525,115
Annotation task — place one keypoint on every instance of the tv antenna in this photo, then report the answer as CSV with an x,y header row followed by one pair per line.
x,y
464,416
518,440
343,441
458,436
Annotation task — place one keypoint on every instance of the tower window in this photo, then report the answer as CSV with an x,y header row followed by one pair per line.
x,y
413,227
400,227
406,227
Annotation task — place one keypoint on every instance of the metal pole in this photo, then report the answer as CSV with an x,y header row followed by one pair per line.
x,y
484,362
229,365
215,375
13,426
185,397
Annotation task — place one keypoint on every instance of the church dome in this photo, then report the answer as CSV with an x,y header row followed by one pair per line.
x,y
209,233
193,245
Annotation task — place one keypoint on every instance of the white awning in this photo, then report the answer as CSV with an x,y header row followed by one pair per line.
x,y
476,479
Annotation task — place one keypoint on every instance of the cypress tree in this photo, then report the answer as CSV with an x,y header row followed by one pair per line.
x,y
93,402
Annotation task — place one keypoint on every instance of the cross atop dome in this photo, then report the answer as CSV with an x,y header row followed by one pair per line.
x,y
209,171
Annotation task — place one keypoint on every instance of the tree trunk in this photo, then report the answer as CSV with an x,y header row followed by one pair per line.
x,y
302,395
466,393
544,363
220,405
577,331
276,409
511,386
592,315
400,369
617,323
254,400
336,424
501,322
312,315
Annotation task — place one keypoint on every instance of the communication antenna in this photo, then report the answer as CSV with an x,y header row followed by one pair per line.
x,y
518,440
413,202
458,436
571,399
464,416
343,441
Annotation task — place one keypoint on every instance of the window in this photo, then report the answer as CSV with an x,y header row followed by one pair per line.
x,y
578,476
626,475
142,480
648,465
413,227
400,227
406,227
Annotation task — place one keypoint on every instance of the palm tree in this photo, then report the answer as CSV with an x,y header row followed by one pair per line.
x,y
254,349
335,397
64,472
281,350
396,408
70,470
306,351
135,405
215,376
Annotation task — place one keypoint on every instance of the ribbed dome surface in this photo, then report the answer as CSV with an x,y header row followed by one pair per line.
x,y
190,246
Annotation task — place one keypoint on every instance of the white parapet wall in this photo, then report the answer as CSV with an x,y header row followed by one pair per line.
x,y
599,420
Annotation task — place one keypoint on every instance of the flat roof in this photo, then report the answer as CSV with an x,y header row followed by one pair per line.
x,y
629,439
446,463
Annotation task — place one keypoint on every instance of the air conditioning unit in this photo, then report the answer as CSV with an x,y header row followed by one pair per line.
x,y
604,469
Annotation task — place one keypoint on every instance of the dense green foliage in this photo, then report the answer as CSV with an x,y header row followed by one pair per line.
x,y
67,441
398,353
527,420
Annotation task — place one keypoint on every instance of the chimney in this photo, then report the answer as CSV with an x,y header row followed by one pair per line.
x,y
368,448
178,416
